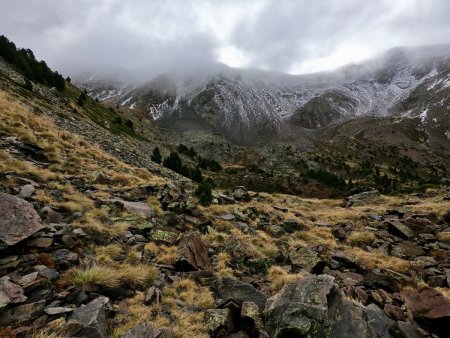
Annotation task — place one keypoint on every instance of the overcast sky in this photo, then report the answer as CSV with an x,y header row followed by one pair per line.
x,y
146,38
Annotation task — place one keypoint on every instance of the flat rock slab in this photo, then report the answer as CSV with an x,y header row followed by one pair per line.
x,y
192,254
229,288
18,220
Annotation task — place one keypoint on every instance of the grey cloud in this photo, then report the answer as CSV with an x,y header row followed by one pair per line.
x,y
145,38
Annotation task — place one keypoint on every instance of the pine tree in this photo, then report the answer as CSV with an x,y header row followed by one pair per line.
x,y
156,155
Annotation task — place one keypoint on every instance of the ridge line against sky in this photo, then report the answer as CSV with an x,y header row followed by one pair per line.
x,y
147,38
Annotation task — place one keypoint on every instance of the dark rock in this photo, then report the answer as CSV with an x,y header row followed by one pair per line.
x,y
300,309
292,225
407,249
64,257
10,293
219,322
378,320
143,330
348,319
251,320
192,254
39,295
386,281
439,281
429,307
346,260
22,313
90,319
47,272
394,312
408,330
398,229
394,212
18,220
230,288
420,225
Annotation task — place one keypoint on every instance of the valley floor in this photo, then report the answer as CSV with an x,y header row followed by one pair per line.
x,y
91,246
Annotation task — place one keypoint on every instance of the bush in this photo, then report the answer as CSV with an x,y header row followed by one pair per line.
x,y
129,124
204,194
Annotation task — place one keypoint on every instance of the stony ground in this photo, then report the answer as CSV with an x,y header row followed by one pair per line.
x,y
91,246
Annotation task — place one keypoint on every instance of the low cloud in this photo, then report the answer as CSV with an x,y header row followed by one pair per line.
x,y
138,39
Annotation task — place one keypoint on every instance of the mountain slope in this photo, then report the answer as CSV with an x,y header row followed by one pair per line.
x,y
249,106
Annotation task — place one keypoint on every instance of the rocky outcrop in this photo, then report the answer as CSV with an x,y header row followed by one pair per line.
x,y
18,220
90,320
301,309
192,254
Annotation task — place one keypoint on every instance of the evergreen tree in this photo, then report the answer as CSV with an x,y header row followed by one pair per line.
x,y
173,162
197,175
204,194
129,124
156,155
28,85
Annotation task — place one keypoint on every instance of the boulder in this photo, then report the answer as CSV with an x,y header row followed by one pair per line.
x,y
192,254
429,307
229,288
219,322
378,321
251,320
292,225
304,258
10,293
407,249
26,191
300,309
241,194
22,313
18,220
398,229
143,330
163,235
137,208
90,320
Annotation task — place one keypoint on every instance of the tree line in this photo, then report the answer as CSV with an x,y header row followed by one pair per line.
x,y
33,70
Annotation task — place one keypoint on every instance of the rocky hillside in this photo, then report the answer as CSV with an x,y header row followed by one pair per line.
x,y
251,107
98,240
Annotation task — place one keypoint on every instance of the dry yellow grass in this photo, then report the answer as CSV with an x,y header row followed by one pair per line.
x,y
373,260
279,277
221,267
167,254
361,238
130,312
113,275
95,221
156,206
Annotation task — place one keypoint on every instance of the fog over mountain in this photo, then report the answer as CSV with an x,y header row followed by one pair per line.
x,y
137,40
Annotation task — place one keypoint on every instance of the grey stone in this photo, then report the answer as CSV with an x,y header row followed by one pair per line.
x,y
10,293
57,310
26,191
22,313
219,322
90,319
19,220
47,272
143,330
300,309
230,288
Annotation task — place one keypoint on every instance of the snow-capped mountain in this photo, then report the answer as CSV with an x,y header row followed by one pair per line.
x,y
251,105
